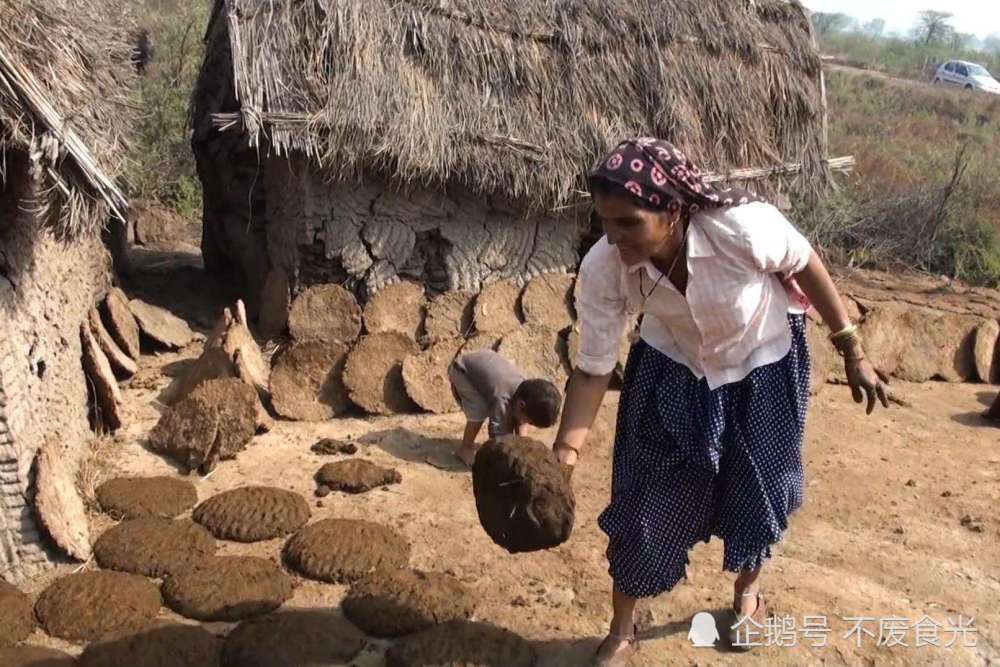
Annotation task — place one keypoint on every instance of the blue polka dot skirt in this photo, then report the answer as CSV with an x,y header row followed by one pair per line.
x,y
690,462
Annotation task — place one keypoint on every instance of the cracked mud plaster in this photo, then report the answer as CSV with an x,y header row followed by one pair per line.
x,y
369,236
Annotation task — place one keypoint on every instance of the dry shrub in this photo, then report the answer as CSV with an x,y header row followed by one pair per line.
x,y
924,191
97,465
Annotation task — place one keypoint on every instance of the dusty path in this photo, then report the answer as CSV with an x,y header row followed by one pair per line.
x,y
880,535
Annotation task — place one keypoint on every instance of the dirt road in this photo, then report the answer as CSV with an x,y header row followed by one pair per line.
x,y
881,534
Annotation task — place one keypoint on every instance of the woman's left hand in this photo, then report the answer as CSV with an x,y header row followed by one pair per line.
x,y
865,382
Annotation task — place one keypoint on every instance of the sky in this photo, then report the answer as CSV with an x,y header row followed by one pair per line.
x,y
978,17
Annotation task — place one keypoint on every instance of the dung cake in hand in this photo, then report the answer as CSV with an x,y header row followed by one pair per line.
x,y
523,494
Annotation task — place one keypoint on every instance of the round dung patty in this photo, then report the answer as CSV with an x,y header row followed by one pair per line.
x,y
537,351
449,315
17,618
34,656
153,546
495,308
523,494
462,643
340,550
89,605
227,588
121,323
161,325
548,300
325,312
133,497
373,373
292,638
356,476
252,513
396,307
307,380
164,644
425,376
391,603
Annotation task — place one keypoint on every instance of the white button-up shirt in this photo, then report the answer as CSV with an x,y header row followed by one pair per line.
x,y
733,317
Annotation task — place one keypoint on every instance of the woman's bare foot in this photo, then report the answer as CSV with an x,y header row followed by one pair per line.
x,y
745,602
616,649
751,613
467,454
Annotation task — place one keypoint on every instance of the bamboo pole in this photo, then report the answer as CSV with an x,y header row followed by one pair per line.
x,y
845,163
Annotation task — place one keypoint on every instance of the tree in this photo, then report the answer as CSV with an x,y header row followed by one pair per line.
x,y
874,28
992,43
933,27
961,41
826,23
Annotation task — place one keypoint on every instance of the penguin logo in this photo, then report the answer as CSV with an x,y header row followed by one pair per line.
x,y
703,632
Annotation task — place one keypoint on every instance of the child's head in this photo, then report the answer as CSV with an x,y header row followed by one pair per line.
x,y
536,402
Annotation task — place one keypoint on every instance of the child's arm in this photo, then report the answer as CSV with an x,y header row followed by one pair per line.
x,y
471,431
521,430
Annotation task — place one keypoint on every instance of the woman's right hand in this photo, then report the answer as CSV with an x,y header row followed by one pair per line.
x,y
583,399
566,455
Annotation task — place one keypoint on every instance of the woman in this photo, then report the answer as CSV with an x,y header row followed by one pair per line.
x,y
713,404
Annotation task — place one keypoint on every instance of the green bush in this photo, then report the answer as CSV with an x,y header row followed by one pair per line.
x,y
905,204
164,166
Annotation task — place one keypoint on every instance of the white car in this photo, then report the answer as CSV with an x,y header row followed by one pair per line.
x,y
967,75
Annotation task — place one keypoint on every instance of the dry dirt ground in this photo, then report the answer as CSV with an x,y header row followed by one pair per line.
x,y
881,533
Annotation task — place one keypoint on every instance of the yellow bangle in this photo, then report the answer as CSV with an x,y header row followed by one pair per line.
x,y
847,332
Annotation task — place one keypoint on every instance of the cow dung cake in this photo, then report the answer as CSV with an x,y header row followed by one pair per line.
x,y
252,513
133,497
523,494
89,605
153,546
392,603
227,588
342,550
462,643
293,637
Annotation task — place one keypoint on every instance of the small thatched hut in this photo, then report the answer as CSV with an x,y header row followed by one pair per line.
x,y
63,76
445,141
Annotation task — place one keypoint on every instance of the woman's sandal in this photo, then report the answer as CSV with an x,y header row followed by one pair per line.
x,y
623,653
759,616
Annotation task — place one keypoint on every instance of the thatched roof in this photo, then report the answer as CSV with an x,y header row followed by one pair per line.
x,y
64,78
520,97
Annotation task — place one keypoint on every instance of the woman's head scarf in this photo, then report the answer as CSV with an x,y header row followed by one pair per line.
x,y
658,173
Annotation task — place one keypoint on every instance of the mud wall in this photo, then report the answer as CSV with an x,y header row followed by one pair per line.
x,y
46,287
367,235
233,235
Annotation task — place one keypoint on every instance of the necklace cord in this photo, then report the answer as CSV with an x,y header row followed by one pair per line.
x,y
673,265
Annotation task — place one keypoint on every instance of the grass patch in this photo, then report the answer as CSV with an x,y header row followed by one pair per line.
x,y
924,194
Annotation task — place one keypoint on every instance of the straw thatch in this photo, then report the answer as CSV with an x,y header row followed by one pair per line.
x,y
64,80
519,98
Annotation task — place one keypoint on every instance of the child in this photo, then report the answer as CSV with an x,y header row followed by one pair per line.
x,y
488,386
